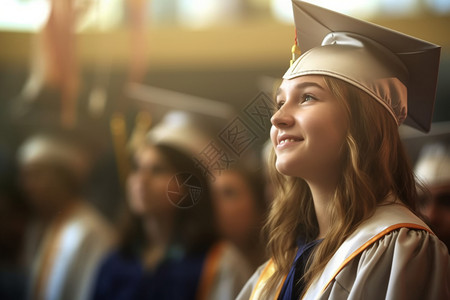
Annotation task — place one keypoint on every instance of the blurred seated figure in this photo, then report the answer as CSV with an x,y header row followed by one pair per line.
x,y
433,170
66,237
169,248
13,220
240,206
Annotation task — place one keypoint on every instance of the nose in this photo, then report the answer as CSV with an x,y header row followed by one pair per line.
x,y
282,118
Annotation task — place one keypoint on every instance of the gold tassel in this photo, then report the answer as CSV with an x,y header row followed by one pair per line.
x,y
295,53
142,125
119,136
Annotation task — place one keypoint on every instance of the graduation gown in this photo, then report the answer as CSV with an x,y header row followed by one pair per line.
x,y
217,274
392,255
67,258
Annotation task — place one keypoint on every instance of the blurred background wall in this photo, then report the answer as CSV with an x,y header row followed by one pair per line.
x,y
224,51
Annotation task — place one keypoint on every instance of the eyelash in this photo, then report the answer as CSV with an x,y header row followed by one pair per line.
x,y
303,99
306,96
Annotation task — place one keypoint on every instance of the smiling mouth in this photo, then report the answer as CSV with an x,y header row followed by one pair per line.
x,y
290,140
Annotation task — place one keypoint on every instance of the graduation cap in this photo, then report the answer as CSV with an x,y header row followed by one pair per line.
x,y
47,148
178,129
433,165
188,122
397,70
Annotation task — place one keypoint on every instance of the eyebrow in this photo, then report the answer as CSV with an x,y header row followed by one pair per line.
x,y
302,85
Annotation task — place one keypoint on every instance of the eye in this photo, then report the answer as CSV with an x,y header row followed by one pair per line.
x,y
307,98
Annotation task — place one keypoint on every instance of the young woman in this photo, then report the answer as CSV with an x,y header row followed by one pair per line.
x,y
240,208
170,248
342,224
66,237
433,170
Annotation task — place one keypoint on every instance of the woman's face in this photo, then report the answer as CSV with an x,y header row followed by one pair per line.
x,y
236,209
43,186
147,184
436,208
308,129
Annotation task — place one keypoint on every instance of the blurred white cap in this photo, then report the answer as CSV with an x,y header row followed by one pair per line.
x,y
179,130
50,150
433,165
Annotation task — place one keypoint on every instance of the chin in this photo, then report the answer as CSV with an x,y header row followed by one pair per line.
x,y
284,168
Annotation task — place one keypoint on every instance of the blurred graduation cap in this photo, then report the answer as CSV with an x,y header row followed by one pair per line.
x,y
433,165
157,97
186,122
54,150
178,129
415,141
397,70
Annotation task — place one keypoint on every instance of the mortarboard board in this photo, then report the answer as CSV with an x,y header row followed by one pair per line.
x,y
188,122
398,70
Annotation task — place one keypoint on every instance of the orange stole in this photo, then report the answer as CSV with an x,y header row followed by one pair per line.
x,y
209,271
262,280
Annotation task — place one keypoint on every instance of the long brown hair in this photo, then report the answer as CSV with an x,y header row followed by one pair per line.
x,y
374,165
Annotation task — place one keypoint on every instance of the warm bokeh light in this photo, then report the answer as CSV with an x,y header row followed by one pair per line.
x,y
29,15
24,15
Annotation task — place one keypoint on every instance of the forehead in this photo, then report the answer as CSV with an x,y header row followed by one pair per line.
x,y
301,82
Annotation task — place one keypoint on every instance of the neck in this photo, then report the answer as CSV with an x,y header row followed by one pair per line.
x,y
56,207
322,195
158,231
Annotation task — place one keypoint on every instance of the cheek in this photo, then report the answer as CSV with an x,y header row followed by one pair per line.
x,y
236,214
328,134
147,193
160,185
135,195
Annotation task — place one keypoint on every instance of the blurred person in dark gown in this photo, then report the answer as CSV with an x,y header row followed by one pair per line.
x,y
14,214
169,247
66,236
433,169
240,206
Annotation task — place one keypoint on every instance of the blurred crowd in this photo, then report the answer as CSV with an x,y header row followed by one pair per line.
x,y
433,172
84,215
92,210
176,232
